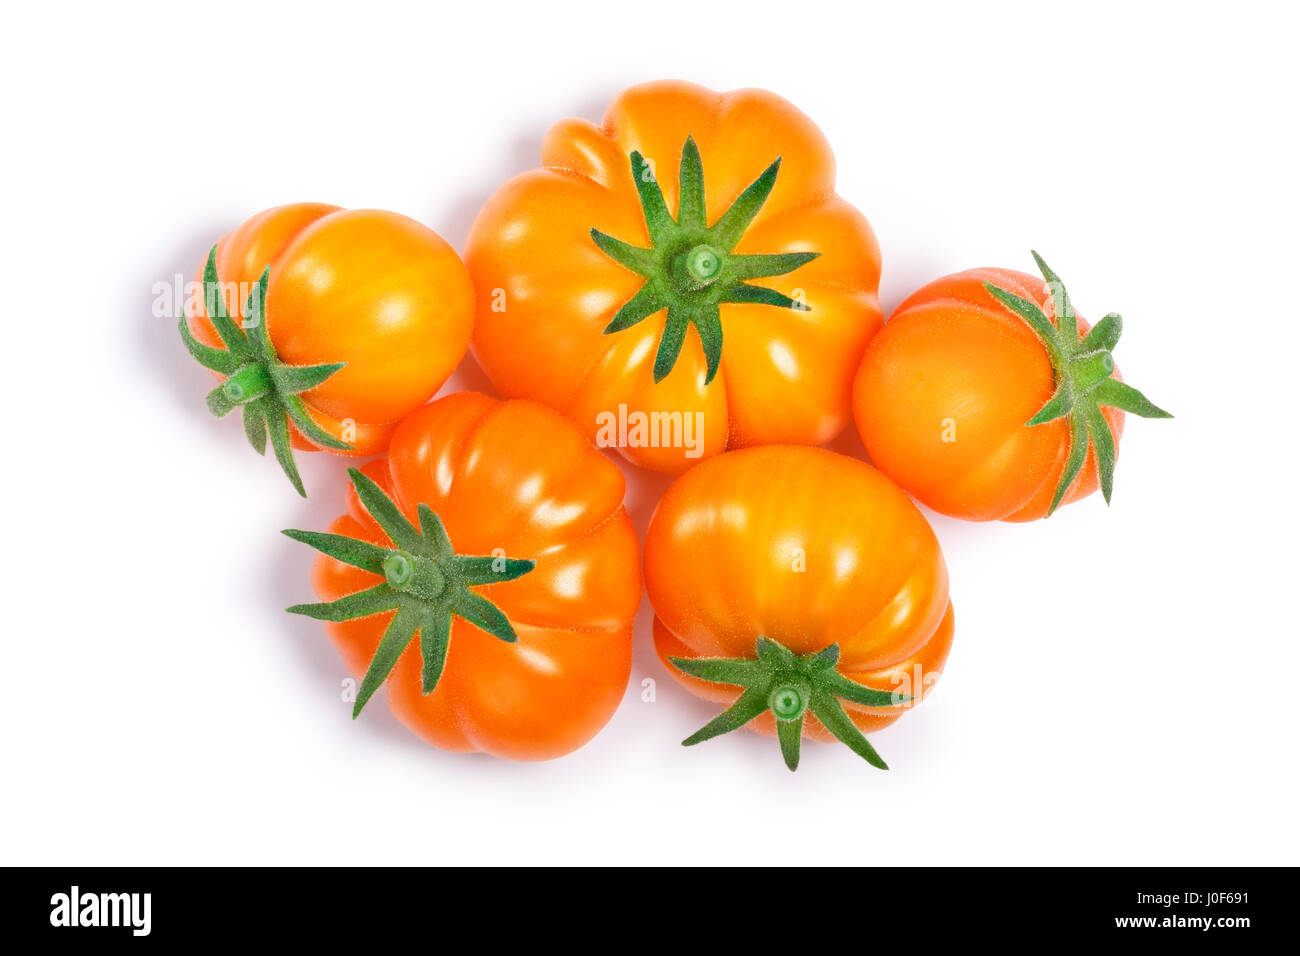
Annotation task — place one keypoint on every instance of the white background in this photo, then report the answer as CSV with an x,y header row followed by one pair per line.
x,y
1122,687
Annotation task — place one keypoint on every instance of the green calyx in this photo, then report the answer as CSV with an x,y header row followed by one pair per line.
x,y
256,380
790,686
1082,368
425,582
690,268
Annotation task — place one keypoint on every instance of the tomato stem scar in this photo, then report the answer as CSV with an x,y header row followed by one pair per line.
x,y
787,702
701,264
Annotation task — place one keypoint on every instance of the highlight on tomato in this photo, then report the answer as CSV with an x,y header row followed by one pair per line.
x,y
681,279
800,588
487,570
328,326
988,398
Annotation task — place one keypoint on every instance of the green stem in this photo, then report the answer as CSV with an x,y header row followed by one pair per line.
x,y
425,582
256,378
789,685
248,384
699,266
788,701
1087,371
691,268
416,575
1082,370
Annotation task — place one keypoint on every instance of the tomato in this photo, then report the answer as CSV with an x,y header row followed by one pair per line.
x,y
801,587
366,315
985,406
607,278
498,533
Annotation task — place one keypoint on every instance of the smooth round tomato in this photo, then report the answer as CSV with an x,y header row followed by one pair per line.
x,y
374,293
532,523
805,549
981,403
669,285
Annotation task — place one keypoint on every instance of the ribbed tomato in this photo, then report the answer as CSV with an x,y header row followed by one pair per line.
x,y
496,533
681,279
803,589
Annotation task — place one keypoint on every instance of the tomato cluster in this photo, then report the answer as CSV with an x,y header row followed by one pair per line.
x,y
681,283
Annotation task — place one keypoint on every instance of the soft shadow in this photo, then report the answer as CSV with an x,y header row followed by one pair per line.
x,y
644,489
284,578
160,353
521,153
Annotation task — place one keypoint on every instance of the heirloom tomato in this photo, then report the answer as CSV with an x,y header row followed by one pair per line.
x,y
803,589
686,269
985,405
328,326
496,533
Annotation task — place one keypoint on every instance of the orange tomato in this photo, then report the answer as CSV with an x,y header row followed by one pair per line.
x,y
366,315
607,278
984,405
800,587
498,533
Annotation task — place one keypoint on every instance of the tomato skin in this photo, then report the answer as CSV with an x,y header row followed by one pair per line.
x,y
518,477
943,393
374,289
722,559
546,292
